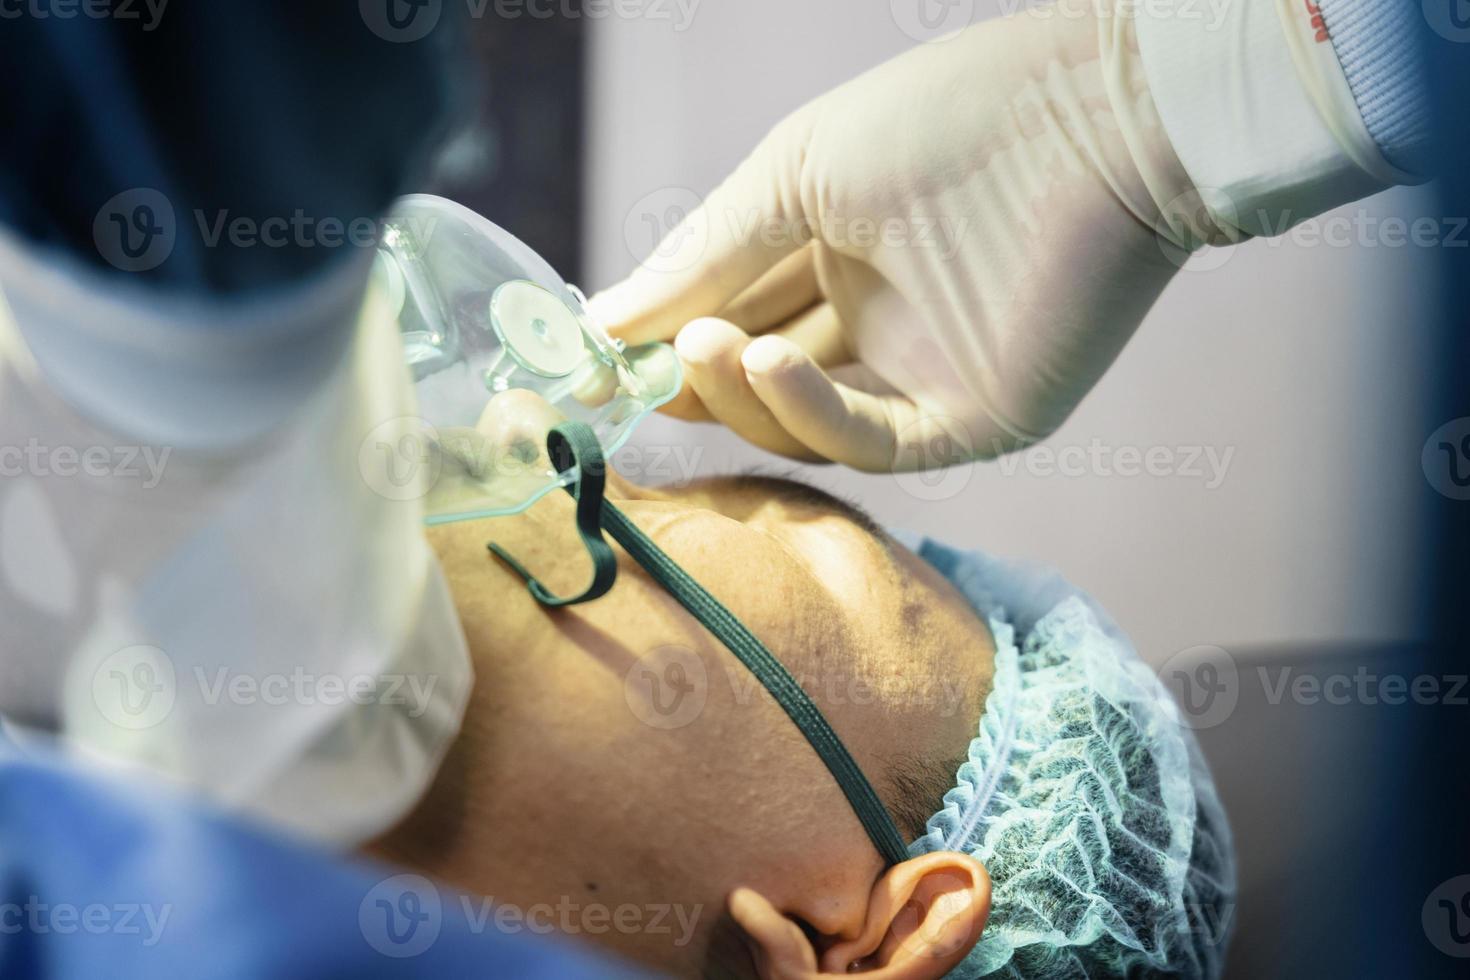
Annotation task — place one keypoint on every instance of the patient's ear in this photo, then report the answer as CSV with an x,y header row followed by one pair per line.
x,y
923,917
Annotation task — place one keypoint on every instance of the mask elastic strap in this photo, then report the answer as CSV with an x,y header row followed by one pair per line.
x,y
575,444
578,439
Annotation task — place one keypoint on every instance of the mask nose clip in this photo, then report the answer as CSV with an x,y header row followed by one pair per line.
x,y
573,445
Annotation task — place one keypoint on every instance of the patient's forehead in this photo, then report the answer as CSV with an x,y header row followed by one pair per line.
x,y
811,577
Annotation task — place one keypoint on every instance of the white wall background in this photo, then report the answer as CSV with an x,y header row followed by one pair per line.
x,y
1301,359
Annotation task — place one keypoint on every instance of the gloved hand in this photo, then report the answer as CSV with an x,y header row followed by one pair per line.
x,y
935,261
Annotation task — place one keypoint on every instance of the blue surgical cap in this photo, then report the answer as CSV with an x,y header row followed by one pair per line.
x,y
1084,795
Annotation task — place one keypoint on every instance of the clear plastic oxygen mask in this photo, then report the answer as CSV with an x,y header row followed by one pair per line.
x,y
501,349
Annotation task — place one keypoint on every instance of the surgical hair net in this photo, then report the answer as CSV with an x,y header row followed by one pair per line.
x,y
1084,795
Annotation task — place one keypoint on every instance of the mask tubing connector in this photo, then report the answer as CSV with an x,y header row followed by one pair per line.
x,y
574,444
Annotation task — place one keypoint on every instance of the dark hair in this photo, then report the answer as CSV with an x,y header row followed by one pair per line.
x,y
918,788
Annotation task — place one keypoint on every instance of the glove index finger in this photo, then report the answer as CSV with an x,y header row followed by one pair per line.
x,y
740,231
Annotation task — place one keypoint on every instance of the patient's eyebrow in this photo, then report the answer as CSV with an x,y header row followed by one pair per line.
x,y
792,491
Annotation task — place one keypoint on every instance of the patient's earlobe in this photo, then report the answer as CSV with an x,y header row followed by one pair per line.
x,y
923,917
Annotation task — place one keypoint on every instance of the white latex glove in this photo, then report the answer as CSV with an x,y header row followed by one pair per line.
x,y
936,260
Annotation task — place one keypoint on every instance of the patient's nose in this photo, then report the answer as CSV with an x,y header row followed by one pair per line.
x,y
515,423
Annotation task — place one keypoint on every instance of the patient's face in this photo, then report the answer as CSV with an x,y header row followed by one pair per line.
x,y
620,768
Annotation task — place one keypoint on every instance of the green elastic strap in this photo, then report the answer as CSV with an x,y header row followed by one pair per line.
x,y
575,444
579,439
